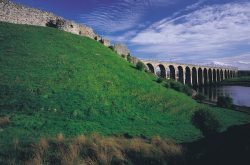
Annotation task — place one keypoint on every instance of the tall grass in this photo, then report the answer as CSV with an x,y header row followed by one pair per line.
x,y
4,121
98,150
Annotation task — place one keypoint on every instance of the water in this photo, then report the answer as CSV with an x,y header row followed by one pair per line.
x,y
239,94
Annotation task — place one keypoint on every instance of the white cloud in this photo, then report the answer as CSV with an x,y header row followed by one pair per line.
x,y
207,32
119,15
243,62
240,61
123,38
195,5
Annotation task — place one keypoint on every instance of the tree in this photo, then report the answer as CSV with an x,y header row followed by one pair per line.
x,y
205,120
140,66
225,101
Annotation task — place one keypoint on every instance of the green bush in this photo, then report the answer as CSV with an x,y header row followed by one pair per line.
x,y
200,97
205,120
123,56
225,101
180,87
140,66
176,86
167,84
186,89
129,58
56,23
160,80
111,47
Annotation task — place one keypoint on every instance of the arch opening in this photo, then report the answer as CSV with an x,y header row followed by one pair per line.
x,y
218,75
210,76
194,77
150,68
161,71
221,75
205,76
180,74
188,76
214,75
172,72
226,75
200,76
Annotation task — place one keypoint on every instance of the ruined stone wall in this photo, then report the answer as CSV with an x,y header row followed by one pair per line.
x,y
14,13
121,49
19,14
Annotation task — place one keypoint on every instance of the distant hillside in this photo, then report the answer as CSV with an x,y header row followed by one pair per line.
x,y
56,82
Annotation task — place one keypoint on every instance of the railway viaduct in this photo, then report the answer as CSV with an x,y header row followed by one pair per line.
x,y
190,74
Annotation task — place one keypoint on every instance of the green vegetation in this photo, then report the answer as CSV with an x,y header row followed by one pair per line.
x,y
206,121
4,121
56,24
55,82
200,97
225,101
243,81
177,86
94,150
140,66
160,80
129,58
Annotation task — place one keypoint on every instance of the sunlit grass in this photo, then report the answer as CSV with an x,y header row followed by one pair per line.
x,y
55,82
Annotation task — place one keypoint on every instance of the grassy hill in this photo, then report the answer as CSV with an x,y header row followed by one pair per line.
x,y
55,82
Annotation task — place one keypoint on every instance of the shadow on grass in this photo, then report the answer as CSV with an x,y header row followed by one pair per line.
x,y
230,147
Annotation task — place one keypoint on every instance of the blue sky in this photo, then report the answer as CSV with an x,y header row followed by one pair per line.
x,y
186,31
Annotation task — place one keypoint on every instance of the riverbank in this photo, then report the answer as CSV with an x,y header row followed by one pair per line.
x,y
234,107
242,81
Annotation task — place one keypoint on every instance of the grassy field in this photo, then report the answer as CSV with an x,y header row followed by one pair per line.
x,y
55,82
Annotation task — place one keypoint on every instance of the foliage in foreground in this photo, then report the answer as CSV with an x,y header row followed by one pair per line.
x,y
206,121
94,150
225,101
5,120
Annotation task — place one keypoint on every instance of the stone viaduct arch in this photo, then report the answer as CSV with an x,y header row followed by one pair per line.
x,y
190,74
194,76
150,67
200,76
161,71
181,74
218,75
205,73
172,74
214,75
221,75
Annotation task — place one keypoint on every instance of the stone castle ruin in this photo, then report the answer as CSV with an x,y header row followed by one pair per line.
x,y
20,14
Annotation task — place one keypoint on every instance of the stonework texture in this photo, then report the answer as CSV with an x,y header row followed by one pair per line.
x,y
19,14
105,42
121,49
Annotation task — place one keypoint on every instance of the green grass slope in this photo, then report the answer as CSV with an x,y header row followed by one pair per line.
x,y
54,82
